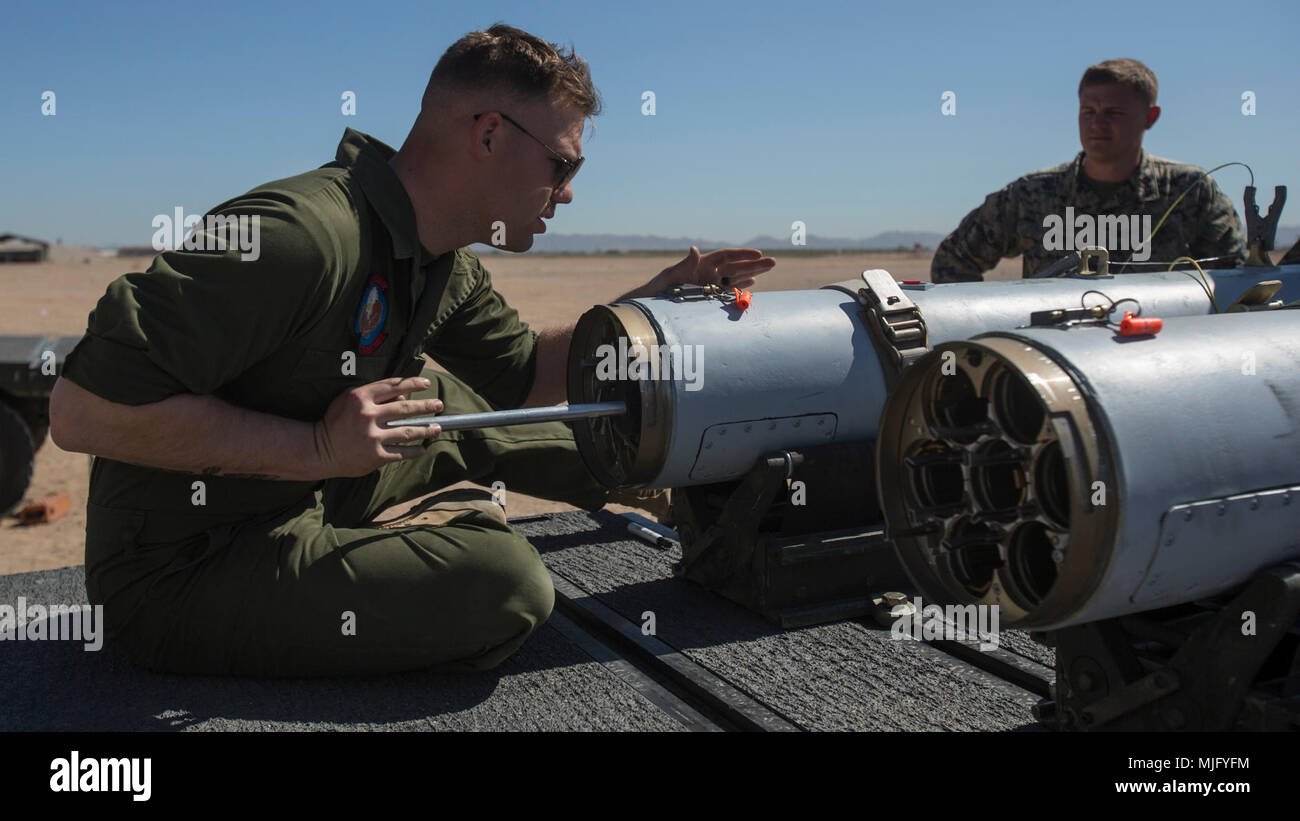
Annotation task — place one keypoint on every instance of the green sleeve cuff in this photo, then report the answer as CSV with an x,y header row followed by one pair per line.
x,y
119,373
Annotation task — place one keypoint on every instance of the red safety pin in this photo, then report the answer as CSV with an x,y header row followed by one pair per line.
x,y
1132,325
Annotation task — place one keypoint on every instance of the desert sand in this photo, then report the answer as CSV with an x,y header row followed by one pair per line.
x,y
55,297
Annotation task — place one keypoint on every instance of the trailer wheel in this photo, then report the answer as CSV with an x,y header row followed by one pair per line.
x,y
17,458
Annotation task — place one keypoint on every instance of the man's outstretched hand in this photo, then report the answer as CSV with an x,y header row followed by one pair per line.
x,y
353,439
737,266
728,267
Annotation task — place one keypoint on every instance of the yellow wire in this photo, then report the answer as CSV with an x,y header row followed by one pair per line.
x,y
1174,204
1205,282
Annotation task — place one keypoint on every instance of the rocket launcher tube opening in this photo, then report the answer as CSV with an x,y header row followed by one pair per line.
x,y
1017,484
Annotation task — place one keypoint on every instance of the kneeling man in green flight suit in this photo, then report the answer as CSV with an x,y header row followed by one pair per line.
x,y
237,395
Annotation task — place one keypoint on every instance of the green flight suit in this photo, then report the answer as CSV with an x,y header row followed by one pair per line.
x,y
330,289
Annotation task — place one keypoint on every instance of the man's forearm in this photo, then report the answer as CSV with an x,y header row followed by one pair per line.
x,y
652,288
549,383
549,386
186,433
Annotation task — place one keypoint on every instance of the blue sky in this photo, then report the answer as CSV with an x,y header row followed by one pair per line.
x,y
766,112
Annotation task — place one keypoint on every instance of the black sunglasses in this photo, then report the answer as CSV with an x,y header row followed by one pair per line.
x,y
565,171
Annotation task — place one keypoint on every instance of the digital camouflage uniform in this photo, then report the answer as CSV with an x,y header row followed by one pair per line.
x,y
263,577
1010,221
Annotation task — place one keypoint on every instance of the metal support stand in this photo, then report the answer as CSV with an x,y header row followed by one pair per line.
x,y
1233,664
797,554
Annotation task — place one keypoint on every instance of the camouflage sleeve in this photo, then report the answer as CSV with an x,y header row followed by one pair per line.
x,y
1218,232
985,236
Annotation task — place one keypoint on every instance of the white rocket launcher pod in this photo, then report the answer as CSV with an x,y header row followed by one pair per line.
x,y
802,368
1075,475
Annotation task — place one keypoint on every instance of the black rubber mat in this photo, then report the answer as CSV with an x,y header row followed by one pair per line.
x,y
550,684
843,676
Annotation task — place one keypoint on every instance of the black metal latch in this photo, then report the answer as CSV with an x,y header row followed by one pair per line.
x,y
1067,316
1262,231
689,293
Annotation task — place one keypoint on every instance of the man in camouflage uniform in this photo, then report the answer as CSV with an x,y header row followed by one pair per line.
x,y
238,403
1112,177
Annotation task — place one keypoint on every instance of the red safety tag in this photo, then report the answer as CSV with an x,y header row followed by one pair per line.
x,y
743,298
1139,326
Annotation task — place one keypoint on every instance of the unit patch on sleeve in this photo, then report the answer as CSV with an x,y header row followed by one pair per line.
x,y
372,317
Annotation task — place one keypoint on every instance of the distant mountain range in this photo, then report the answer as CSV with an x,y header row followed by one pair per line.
x,y
613,243
1287,235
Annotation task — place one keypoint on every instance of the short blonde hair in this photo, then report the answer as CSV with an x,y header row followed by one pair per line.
x,y
517,63
1126,72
